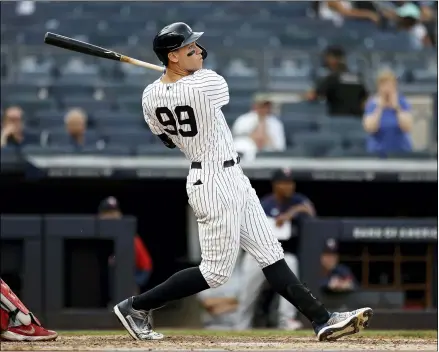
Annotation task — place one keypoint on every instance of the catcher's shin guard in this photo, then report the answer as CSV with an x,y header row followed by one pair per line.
x,y
14,308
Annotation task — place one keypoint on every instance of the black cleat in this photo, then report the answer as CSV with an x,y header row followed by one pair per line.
x,y
136,322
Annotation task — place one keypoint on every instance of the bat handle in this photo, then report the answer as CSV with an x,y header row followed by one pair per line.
x,y
132,61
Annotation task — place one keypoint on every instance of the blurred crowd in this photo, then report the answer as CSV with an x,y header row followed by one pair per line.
x,y
350,110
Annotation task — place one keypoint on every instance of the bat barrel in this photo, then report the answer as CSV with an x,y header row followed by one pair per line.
x,y
93,50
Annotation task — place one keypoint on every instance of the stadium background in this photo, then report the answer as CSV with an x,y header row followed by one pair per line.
x,y
251,52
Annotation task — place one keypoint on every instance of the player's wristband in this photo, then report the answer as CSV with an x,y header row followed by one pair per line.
x,y
166,141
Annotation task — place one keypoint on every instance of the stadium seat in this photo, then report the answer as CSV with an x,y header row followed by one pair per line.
x,y
48,150
129,137
60,137
157,150
109,149
317,144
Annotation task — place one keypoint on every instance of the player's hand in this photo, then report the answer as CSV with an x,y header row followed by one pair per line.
x,y
281,219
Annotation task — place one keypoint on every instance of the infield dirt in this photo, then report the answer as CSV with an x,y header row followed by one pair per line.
x,y
219,341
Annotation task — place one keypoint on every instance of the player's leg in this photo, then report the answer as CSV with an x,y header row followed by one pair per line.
x,y
258,239
287,313
218,217
17,322
252,280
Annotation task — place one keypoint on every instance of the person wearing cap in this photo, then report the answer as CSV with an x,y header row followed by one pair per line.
x,y
387,118
344,91
412,16
109,209
409,20
259,129
285,208
336,277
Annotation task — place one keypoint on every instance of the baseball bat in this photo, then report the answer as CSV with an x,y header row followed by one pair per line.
x,y
93,50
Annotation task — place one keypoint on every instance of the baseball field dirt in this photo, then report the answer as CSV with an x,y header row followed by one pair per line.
x,y
256,340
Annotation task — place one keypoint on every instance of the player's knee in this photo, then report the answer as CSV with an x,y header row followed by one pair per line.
x,y
215,279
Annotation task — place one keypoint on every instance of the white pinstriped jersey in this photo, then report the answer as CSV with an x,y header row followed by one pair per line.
x,y
189,112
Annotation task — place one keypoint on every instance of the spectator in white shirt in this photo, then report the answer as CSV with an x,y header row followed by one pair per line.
x,y
259,130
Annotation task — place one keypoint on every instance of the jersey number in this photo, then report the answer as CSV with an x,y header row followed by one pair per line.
x,y
166,118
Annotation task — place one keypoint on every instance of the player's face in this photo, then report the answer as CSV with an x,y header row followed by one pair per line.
x,y
284,188
189,57
329,260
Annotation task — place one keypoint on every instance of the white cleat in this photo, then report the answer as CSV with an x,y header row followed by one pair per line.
x,y
343,324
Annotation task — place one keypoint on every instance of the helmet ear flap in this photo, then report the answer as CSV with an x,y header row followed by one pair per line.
x,y
204,51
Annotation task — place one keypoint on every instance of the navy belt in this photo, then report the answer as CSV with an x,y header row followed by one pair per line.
x,y
227,163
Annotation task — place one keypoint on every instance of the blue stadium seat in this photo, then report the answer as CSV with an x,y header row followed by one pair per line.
x,y
120,122
129,137
30,104
109,149
157,150
355,139
293,152
317,144
48,119
48,150
87,103
60,137
314,109
345,124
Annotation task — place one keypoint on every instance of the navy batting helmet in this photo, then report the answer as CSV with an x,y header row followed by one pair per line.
x,y
173,37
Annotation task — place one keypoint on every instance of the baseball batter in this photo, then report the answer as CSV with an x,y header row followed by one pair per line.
x,y
183,108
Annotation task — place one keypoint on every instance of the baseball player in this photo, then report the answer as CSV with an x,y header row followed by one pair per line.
x,y
17,323
183,108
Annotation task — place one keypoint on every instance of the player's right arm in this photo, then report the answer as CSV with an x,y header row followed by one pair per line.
x,y
213,86
154,125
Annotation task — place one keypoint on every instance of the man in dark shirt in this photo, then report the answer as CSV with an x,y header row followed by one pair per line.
x,y
337,277
285,208
13,133
344,91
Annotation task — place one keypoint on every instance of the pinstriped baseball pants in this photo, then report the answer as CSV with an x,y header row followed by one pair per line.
x,y
229,216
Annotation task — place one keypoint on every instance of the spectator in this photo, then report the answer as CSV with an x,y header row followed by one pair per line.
x,y
344,91
409,17
337,11
220,304
260,128
76,126
284,209
387,118
337,277
409,20
13,132
109,209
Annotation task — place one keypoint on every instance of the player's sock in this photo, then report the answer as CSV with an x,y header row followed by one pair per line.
x,y
284,282
182,284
